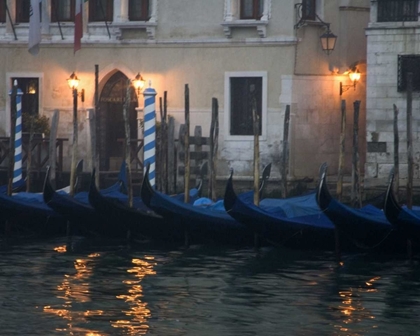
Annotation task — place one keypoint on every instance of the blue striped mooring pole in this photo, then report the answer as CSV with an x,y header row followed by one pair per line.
x,y
17,170
150,132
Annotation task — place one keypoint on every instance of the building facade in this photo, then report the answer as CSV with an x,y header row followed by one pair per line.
x,y
393,51
233,50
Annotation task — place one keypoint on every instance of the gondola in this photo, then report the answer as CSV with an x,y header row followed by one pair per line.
x,y
295,222
26,213
199,224
83,217
137,222
406,220
367,228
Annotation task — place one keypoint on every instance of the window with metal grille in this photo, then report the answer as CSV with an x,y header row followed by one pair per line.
x,y
62,10
309,10
243,91
252,9
406,64
398,10
138,10
101,10
22,10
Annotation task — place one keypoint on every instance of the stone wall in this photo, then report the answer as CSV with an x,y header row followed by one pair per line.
x,y
385,42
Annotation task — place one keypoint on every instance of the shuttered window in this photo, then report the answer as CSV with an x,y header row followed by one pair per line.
x,y
62,10
22,10
309,9
139,10
252,9
101,10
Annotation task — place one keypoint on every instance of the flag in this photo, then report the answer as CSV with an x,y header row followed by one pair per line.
x,y
34,27
78,25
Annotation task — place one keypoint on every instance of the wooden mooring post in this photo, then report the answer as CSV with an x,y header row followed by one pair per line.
x,y
214,135
187,145
53,148
356,195
202,152
93,121
410,140
285,153
396,154
163,146
342,151
256,129
410,159
29,158
127,154
172,173
74,145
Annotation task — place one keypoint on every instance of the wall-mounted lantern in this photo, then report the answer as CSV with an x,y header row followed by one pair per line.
x,y
73,83
328,40
354,76
138,83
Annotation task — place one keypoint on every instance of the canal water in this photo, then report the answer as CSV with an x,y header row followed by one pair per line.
x,y
108,288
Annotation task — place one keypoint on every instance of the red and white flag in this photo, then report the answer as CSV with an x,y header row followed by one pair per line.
x,y
34,27
78,25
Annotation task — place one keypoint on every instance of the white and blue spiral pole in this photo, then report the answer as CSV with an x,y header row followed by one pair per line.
x,y
17,172
150,132
17,169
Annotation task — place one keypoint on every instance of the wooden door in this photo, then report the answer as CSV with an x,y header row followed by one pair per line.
x,y
110,121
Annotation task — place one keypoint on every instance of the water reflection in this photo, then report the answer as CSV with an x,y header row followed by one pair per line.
x,y
97,278
74,289
112,290
138,313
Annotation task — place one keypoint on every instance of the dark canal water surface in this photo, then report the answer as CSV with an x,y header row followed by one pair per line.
x,y
103,288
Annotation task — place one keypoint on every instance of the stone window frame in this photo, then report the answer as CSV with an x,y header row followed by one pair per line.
x,y
17,75
122,22
315,20
119,24
227,101
232,20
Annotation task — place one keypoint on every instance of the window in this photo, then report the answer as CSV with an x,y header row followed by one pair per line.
x,y
309,10
252,9
3,11
397,10
62,10
22,10
406,64
101,10
138,10
241,88
30,89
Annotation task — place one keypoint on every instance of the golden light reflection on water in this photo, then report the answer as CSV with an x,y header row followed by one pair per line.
x,y
353,312
61,249
75,289
138,314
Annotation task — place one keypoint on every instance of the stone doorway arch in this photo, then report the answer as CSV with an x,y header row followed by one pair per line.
x,y
110,128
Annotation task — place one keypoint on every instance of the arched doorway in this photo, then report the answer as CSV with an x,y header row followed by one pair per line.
x,y
110,121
